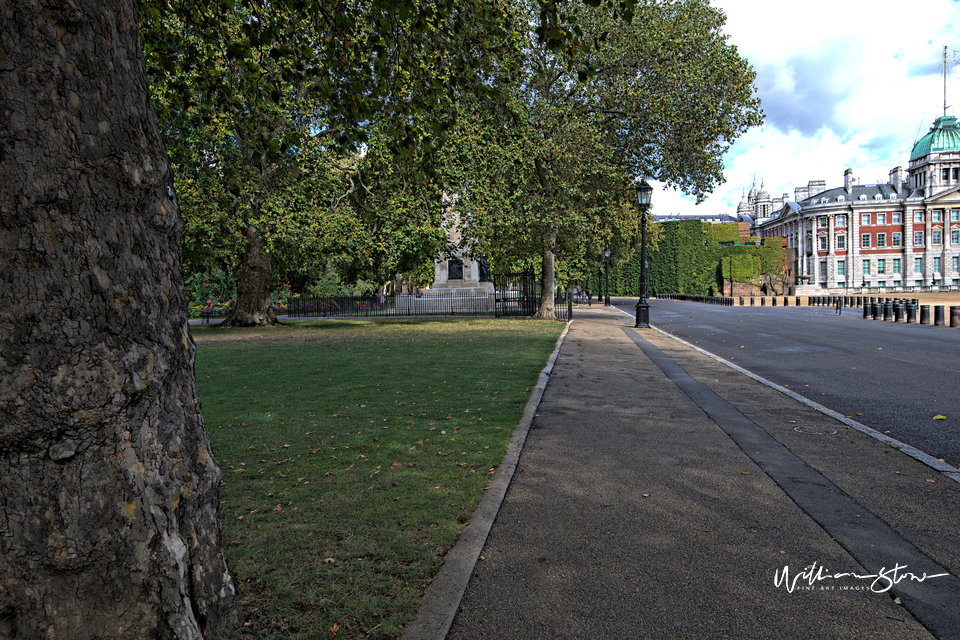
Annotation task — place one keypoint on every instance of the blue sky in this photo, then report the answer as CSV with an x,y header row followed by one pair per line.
x,y
843,84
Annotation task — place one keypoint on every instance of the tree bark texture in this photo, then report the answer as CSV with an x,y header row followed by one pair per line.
x,y
109,493
253,290
548,278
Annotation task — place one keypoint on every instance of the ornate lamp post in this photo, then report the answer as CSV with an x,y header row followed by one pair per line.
x,y
644,195
606,254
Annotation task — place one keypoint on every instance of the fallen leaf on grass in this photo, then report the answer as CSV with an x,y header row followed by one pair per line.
x,y
939,417
278,509
396,464
328,561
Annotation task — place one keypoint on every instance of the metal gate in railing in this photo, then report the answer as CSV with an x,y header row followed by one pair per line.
x,y
516,294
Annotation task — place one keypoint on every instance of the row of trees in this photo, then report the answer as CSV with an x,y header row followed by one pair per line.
x,y
541,139
295,128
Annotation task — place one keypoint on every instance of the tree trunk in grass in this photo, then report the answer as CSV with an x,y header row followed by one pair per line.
x,y
548,278
253,290
109,494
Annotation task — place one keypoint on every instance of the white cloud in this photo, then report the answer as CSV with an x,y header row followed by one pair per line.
x,y
842,84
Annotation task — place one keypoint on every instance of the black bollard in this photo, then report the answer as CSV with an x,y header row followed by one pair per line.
x,y
911,313
887,310
924,314
938,315
955,316
898,312
866,312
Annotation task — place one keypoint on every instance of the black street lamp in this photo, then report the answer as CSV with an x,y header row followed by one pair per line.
x,y
606,254
644,195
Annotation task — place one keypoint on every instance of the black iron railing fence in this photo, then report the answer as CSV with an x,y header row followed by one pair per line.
x,y
451,304
518,297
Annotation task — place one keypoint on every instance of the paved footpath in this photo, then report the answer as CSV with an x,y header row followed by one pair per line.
x,y
660,493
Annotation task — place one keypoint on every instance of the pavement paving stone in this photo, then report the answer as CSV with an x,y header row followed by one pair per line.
x,y
632,514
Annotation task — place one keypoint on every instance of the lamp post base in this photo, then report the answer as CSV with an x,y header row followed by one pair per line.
x,y
643,316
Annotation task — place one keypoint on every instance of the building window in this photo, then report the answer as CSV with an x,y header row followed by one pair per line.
x,y
896,239
866,267
938,216
865,218
841,268
841,242
823,270
918,265
822,222
896,265
937,238
918,283
955,215
865,240
881,266
881,239
896,218
881,218
956,263
955,236
936,265
945,175
918,238
918,217
840,221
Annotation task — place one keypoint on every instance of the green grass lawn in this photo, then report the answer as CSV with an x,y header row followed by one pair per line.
x,y
352,454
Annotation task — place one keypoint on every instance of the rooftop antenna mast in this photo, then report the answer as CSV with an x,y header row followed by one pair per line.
x,y
944,80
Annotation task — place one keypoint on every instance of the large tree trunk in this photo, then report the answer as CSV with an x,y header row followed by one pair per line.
x,y
253,290
109,494
547,278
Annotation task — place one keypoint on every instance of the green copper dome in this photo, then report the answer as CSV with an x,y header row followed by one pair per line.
x,y
943,136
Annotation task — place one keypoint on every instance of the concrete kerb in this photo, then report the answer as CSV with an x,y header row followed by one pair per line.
x,y
934,463
441,600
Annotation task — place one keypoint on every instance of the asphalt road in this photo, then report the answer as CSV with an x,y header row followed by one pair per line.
x,y
893,377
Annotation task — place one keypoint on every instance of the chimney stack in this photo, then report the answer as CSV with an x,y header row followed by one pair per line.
x,y
896,178
848,180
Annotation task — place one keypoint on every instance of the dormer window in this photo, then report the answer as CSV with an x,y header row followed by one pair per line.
x,y
879,196
862,198
841,199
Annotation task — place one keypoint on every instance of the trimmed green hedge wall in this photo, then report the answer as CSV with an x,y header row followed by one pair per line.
x,y
689,260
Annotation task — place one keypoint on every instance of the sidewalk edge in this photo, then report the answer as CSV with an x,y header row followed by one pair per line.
x,y
441,599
